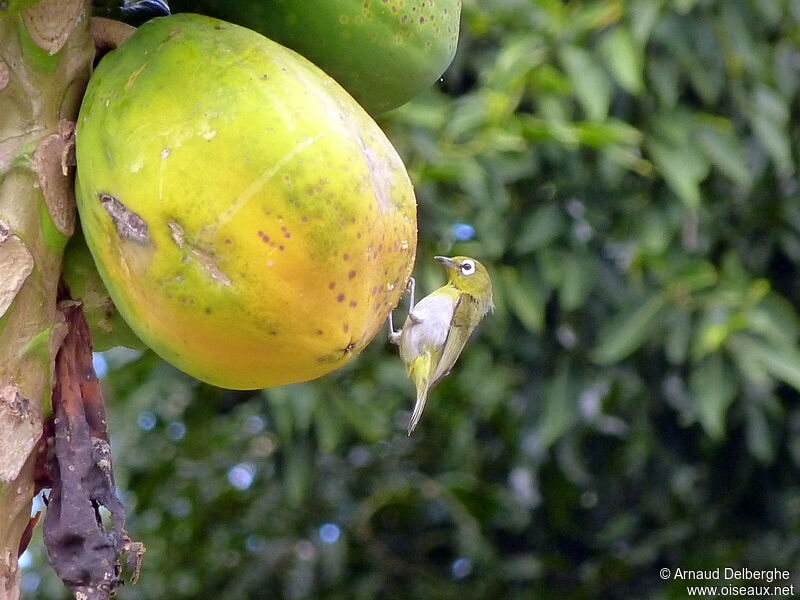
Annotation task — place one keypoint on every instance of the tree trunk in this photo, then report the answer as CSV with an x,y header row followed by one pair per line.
x,y
45,61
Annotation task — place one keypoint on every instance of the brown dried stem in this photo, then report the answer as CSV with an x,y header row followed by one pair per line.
x,y
83,551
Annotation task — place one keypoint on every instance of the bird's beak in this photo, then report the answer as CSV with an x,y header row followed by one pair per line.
x,y
447,262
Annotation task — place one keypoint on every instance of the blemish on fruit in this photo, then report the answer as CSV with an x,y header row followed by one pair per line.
x,y
351,274
204,258
128,224
340,298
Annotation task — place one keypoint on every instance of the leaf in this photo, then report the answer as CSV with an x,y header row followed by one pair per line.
x,y
769,118
725,152
629,330
624,58
713,387
589,82
525,299
664,76
782,363
579,277
683,167
610,131
298,471
759,440
676,343
517,57
774,318
559,407
643,15
544,225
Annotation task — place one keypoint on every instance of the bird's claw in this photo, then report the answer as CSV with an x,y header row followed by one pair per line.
x,y
394,334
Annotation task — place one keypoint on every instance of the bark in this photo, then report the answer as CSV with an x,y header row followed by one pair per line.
x,y
45,61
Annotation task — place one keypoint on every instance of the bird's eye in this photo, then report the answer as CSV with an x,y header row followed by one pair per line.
x,y
467,267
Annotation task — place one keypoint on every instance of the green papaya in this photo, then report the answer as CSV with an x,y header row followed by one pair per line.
x,y
9,7
107,326
251,222
384,52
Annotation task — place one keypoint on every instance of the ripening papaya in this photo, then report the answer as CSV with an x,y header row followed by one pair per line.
x,y
384,52
251,222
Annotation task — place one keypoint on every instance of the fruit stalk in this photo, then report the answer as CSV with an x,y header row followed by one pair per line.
x,y
45,61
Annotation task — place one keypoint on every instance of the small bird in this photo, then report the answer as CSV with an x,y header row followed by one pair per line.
x,y
438,326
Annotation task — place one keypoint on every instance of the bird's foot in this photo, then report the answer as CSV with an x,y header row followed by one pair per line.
x,y
410,289
394,334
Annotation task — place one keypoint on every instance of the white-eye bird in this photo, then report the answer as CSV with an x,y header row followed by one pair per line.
x,y
438,326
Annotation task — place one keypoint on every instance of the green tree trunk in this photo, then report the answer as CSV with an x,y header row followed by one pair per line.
x,y
45,61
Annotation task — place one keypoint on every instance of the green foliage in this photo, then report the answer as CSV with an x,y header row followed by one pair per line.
x,y
630,172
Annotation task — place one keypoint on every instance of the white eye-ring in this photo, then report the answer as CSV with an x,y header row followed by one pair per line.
x,y
467,267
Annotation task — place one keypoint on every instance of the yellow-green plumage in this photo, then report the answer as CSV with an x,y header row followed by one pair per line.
x,y
438,326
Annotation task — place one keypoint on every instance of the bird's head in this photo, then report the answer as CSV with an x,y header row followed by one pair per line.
x,y
470,277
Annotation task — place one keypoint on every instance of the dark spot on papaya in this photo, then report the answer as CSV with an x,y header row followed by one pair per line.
x,y
128,224
353,303
331,285
340,298
320,332
345,327
351,274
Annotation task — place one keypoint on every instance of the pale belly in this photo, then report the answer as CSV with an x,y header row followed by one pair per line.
x,y
428,328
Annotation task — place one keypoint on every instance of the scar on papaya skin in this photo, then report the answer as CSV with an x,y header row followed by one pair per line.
x,y
205,259
128,224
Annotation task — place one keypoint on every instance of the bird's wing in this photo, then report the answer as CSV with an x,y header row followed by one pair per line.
x,y
420,372
465,318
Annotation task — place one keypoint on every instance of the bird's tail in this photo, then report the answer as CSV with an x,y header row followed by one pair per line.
x,y
420,373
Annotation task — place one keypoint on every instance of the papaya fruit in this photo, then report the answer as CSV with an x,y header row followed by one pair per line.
x,y
9,7
384,52
106,325
251,222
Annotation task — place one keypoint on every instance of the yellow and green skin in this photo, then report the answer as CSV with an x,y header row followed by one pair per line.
x,y
438,326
